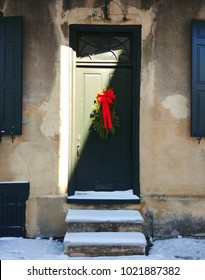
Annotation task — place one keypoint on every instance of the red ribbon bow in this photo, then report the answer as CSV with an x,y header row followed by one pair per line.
x,y
106,98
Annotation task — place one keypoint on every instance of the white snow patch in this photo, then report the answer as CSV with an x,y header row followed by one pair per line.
x,y
78,215
123,195
41,249
104,239
14,182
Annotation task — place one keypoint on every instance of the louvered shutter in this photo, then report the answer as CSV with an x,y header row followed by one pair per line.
x,y
11,75
198,79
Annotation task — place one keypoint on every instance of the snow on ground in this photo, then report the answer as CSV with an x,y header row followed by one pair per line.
x,y
12,248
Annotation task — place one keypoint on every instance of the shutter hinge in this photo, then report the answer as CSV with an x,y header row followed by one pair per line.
x,y
199,140
1,133
12,137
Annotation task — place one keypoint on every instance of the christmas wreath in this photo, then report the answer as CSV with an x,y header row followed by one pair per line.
x,y
104,118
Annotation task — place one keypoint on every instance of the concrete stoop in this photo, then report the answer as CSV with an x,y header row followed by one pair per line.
x,y
104,233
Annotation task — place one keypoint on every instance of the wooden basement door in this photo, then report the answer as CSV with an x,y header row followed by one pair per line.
x,y
106,57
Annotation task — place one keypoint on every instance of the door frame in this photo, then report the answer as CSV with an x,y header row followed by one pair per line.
x,y
135,33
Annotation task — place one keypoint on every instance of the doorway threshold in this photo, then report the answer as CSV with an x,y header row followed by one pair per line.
x,y
99,197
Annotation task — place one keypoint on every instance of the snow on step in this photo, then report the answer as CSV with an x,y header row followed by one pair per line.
x,y
99,216
119,195
72,239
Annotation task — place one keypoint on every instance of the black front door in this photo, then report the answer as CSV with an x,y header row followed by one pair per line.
x,y
110,164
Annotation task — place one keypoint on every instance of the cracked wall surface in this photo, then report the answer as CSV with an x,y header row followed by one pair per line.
x,y
171,162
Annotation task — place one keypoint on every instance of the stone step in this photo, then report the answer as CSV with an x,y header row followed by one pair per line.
x,y
101,227
99,216
104,196
104,243
103,220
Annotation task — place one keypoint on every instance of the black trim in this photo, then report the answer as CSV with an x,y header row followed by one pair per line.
x,y
15,189
103,201
135,31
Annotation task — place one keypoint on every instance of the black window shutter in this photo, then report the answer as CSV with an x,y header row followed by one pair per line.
x,y
198,79
11,75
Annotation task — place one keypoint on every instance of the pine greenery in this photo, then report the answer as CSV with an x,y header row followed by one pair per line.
x,y
97,120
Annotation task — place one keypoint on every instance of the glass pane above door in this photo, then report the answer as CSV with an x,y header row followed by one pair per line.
x,y
104,47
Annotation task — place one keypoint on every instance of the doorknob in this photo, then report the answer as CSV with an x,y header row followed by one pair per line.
x,y
78,151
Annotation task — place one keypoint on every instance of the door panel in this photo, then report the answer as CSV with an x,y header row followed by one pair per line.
x,y
103,164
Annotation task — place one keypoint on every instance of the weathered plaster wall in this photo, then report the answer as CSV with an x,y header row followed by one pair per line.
x,y
34,156
171,162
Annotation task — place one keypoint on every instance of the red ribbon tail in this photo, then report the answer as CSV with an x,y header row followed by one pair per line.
x,y
104,112
109,120
106,116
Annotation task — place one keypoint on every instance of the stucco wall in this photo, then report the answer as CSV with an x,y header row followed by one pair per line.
x,y
171,162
